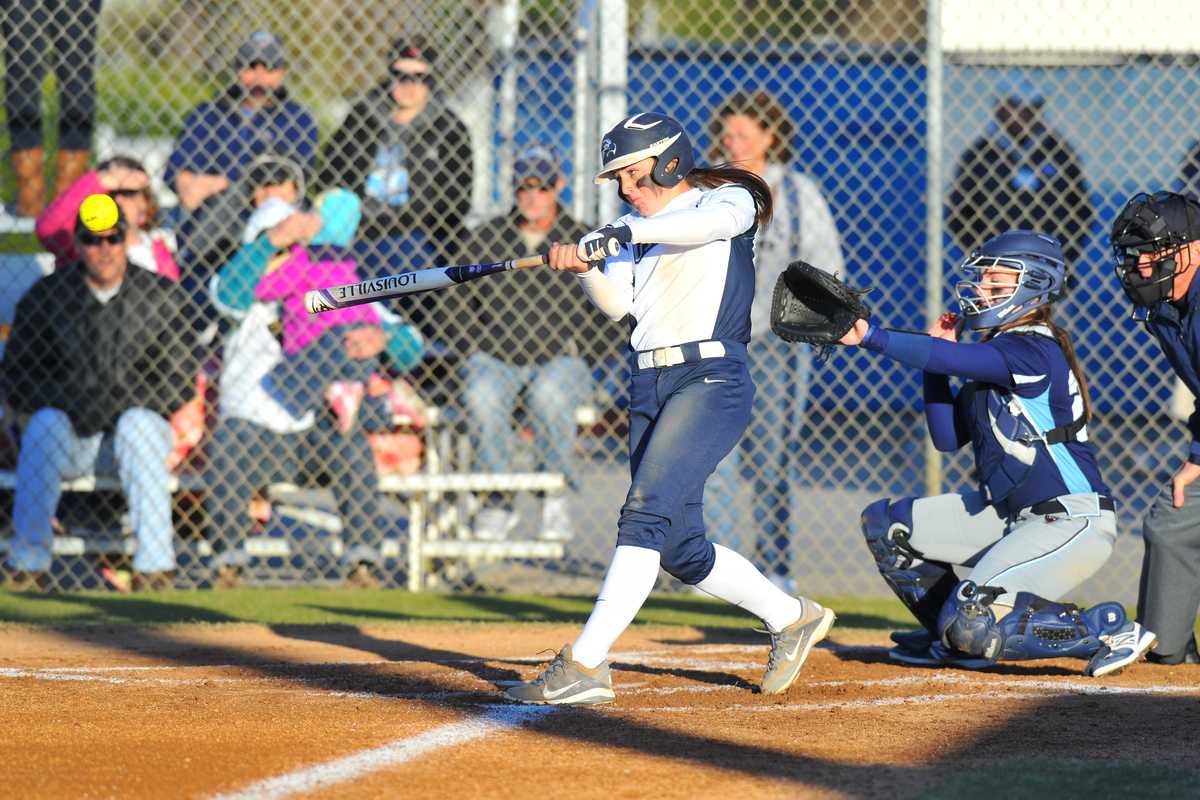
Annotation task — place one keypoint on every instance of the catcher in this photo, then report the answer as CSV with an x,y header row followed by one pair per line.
x,y
1041,521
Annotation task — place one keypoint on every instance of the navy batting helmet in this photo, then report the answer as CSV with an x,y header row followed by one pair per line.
x,y
647,135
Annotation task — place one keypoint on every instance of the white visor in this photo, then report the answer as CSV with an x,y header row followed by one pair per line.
x,y
605,175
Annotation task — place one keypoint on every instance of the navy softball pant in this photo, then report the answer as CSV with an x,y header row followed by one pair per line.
x,y
683,420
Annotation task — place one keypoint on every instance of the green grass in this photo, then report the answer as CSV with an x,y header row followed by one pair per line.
x,y
310,606
1067,780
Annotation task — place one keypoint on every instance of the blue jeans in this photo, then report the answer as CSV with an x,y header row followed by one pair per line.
x,y
555,389
244,457
766,457
51,452
683,420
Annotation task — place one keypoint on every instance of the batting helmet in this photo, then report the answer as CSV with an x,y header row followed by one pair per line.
x,y
647,135
1040,278
1162,222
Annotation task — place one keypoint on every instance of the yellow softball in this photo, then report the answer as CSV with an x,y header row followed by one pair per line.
x,y
98,212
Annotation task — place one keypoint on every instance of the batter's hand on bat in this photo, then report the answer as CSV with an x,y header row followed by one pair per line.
x,y
604,242
856,334
1179,483
565,258
948,327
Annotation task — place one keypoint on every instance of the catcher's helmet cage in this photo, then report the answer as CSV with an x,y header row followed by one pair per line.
x,y
1040,278
1162,222
647,135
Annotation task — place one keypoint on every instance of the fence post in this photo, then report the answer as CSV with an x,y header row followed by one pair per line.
x,y
614,58
933,202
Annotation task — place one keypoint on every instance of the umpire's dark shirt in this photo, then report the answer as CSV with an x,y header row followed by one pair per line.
x,y
530,316
94,360
1177,328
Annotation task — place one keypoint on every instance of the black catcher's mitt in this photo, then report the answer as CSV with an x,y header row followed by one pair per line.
x,y
814,307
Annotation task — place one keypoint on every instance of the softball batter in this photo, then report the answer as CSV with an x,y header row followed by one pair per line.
x,y
682,265
1042,522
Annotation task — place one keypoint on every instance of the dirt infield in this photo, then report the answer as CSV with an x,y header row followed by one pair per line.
x,y
412,710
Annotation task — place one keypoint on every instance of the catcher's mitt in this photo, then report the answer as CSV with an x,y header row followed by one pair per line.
x,y
814,307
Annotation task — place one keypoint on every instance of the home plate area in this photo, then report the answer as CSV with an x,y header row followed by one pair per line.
x,y
415,711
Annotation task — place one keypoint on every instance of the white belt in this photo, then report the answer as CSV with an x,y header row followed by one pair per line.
x,y
670,356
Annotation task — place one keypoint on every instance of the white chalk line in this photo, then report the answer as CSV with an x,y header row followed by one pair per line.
x,y
494,720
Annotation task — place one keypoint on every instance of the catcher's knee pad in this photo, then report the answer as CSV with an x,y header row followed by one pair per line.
x,y
1035,628
922,586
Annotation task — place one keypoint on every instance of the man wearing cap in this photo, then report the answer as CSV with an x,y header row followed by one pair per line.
x,y
530,331
99,356
1020,174
1156,243
219,140
408,157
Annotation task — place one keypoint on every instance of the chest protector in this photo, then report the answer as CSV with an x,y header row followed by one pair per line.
x,y
1004,437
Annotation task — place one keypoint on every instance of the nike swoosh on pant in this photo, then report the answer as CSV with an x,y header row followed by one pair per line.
x,y
710,380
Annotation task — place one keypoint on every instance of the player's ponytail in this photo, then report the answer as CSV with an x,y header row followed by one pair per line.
x,y
721,174
1041,316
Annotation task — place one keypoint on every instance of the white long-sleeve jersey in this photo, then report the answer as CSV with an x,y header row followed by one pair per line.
x,y
688,275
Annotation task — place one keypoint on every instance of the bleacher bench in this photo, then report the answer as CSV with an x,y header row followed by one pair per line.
x,y
422,491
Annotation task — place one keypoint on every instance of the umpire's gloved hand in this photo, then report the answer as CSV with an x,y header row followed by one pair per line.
x,y
604,242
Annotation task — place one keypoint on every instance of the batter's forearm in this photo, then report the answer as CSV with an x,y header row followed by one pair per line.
x,y
606,294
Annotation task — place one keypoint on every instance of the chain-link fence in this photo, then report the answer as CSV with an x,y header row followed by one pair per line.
x,y
476,436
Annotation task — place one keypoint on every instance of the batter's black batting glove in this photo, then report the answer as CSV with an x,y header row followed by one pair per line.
x,y
604,242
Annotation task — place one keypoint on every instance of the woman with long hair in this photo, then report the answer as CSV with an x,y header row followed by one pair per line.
x,y
682,266
1041,521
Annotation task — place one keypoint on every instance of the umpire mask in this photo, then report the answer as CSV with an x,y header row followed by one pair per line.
x,y
1159,225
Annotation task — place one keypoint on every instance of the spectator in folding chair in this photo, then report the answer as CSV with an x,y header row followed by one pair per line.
x,y
220,139
99,355
259,437
528,331
409,158
33,29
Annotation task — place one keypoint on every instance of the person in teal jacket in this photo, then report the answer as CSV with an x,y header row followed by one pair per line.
x,y
257,440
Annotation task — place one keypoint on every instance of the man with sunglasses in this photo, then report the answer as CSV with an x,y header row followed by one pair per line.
x,y
99,356
1156,245
220,138
409,158
530,332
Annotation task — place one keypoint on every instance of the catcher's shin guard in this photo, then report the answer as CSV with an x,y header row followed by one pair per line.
x,y
922,586
1035,628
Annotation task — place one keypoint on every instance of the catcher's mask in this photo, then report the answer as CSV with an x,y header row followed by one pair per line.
x,y
1009,276
1154,230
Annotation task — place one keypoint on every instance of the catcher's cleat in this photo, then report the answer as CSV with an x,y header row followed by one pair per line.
x,y
913,641
566,682
1125,647
938,655
791,646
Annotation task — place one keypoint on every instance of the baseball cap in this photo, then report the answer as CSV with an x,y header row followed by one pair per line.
x,y
264,47
414,47
1157,221
99,213
536,162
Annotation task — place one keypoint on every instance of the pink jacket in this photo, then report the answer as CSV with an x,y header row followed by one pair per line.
x,y
56,226
292,279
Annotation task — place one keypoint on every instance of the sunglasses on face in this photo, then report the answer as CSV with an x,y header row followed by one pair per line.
x,y
402,76
92,240
126,192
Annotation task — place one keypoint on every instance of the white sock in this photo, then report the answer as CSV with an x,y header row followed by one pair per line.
x,y
631,576
735,580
